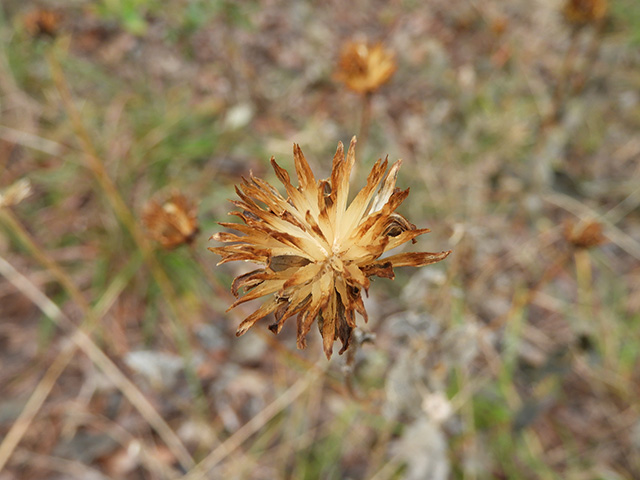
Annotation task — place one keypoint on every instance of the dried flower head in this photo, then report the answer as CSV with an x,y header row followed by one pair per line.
x,y
584,12
364,67
42,22
172,222
318,252
584,234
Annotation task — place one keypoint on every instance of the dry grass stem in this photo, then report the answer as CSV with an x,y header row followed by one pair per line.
x,y
31,408
84,343
203,469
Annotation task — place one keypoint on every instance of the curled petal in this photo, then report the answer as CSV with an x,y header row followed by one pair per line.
x,y
262,312
417,259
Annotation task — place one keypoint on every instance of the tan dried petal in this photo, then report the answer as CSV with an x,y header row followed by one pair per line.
x,y
317,251
15,193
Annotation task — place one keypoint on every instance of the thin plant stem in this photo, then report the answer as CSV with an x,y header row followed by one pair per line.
x,y
88,346
365,119
584,279
33,405
564,80
593,51
358,338
203,469
17,229
42,390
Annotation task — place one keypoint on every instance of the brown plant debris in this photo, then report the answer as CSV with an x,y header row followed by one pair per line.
x,y
365,67
172,222
318,252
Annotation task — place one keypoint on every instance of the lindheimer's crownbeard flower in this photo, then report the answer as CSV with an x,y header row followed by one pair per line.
x,y
364,67
317,252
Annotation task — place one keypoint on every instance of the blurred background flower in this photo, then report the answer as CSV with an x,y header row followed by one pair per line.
x,y
584,12
171,222
364,67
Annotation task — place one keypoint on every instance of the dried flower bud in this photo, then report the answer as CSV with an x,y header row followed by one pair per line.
x,y
363,68
584,234
41,22
318,252
584,12
173,222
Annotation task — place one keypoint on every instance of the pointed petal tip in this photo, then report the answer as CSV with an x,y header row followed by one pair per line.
x,y
328,352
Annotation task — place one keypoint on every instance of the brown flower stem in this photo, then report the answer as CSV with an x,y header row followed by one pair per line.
x,y
365,120
97,168
563,83
358,338
584,279
593,51
349,366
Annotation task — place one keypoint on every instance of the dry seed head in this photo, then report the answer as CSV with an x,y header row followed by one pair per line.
x,y
317,252
586,234
364,67
584,12
172,222
41,22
